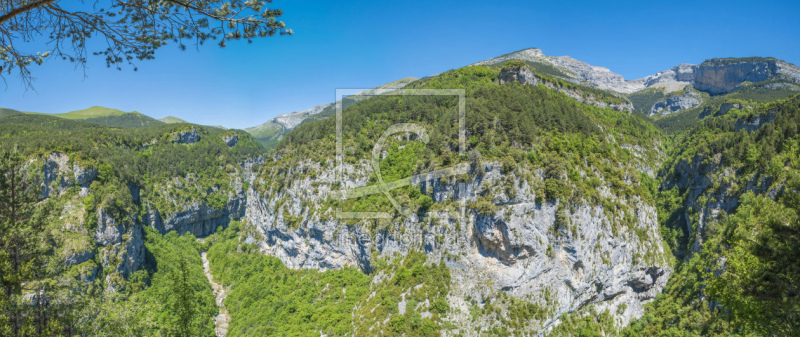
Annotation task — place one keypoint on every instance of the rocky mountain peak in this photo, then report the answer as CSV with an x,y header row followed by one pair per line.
x,y
715,76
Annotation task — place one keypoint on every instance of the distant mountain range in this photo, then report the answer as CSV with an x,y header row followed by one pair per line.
x,y
686,87
273,130
98,114
172,120
587,204
717,76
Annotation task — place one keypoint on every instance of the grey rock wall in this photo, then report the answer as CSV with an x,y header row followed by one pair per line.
x,y
676,103
526,76
515,249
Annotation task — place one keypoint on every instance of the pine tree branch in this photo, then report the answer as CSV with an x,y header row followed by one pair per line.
x,y
23,9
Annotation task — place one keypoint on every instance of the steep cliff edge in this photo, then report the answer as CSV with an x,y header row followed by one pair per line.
x,y
525,75
564,238
676,103
719,76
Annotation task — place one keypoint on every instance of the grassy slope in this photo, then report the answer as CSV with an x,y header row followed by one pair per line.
x,y
97,114
92,112
172,120
4,112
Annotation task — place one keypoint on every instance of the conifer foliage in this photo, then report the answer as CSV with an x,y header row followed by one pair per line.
x,y
22,252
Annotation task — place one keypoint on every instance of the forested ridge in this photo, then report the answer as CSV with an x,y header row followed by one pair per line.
x,y
99,182
734,275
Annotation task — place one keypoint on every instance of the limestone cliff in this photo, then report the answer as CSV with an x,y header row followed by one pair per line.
x,y
676,103
718,76
526,76
715,76
579,255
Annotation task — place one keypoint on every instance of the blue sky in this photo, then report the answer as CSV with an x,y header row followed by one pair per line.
x,y
361,44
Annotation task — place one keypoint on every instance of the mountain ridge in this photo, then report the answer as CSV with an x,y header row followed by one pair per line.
x,y
272,131
673,79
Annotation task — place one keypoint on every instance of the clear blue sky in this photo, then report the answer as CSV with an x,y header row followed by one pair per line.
x,y
359,44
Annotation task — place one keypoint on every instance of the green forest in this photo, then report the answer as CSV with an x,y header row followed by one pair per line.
x,y
734,276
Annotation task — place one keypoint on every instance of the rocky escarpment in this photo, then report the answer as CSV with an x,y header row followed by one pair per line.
x,y
525,75
59,174
754,122
671,80
577,71
120,245
579,254
713,187
171,210
676,103
715,76
196,218
186,137
724,108
111,241
718,76
231,140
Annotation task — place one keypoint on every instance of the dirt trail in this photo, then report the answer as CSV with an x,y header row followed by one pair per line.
x,y
222,319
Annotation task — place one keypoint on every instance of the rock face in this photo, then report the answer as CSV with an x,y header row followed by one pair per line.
x,y
58,174
515,248
676,103
718,76
579,72
108,231
524,75
724,108
755,122
671,80
120,246
186,137
199,218
78,258
724,77
715,76
230,140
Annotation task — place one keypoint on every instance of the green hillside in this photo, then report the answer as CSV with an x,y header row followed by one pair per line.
x,y
134,173
720,189
128,120
172,120
100,115
92,112
9,112
270,133
525,128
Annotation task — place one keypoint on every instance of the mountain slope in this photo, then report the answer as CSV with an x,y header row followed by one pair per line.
x,y
91,112
100,115
172,120
715,76
4,112
273,130
565,215
543,231
120,197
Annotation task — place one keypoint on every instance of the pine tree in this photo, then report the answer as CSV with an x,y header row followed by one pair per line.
x,y
22,248
182,301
